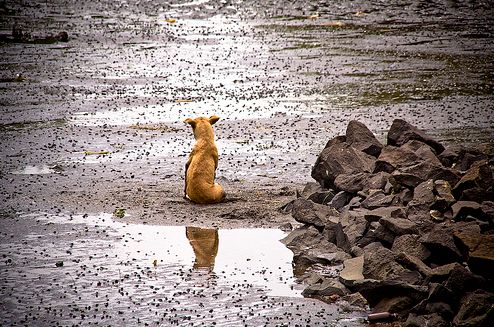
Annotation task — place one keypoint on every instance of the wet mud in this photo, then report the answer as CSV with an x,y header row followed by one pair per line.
x,y
95,125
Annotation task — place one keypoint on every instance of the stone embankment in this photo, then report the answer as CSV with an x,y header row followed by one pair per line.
x,y
405,228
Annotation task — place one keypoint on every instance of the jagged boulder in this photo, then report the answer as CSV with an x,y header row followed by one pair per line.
x,y
361,138
310,213
401,132
340,158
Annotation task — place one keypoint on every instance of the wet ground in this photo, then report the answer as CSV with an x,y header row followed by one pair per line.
x,y
90,270
96,125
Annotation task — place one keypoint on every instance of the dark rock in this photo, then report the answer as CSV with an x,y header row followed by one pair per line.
x,y
354,225
351,183
323,253
383,235
479,250
317,194
286,227
462,209
334,233
308,212
403,197
410,245
392,158
443,196
310,247
370,235
356,251
378,181
399,226
440,308
340,200
441,273
409,180
361,138
323,198
418,212
377,199
394,304
427,170
423,193
487,208
384,212
479,175
441,244
448,157
467,157
439,293
461,280
327,287
355,202
477,194
303,238
414,263
336,140
375,290
432,319
379,262
401,132
356,299
310,188
340,158
476,310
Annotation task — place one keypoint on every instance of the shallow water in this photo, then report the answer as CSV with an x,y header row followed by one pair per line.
x,y
61,270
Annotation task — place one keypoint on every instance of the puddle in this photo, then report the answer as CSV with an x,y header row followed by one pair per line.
x,y
37,170
90,268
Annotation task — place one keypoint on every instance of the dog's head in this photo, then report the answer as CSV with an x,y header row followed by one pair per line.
x,y
202,126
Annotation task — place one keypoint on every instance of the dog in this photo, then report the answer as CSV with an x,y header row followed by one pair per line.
x,y
200,169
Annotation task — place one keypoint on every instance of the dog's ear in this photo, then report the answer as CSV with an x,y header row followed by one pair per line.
x,y
213,119
191,122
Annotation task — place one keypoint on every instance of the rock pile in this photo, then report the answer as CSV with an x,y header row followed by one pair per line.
x,y
407,226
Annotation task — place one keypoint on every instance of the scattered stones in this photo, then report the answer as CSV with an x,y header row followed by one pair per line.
x,y
419,245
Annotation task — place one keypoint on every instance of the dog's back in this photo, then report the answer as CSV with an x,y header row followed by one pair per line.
x,y
200,170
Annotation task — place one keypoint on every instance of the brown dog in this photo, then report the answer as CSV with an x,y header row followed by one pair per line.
x,y
200,169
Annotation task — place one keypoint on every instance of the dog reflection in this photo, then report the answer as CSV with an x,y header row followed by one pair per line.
x,y
204,242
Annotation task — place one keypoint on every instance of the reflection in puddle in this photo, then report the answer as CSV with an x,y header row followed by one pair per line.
x,y
61,269
204,242
36,170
